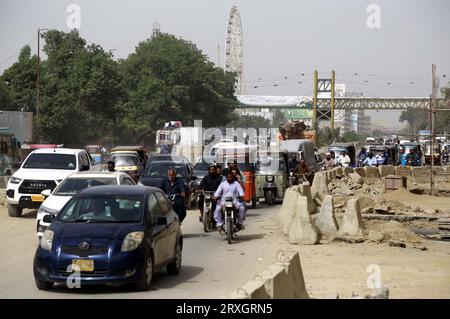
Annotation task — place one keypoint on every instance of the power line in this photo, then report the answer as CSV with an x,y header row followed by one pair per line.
x,y
18,52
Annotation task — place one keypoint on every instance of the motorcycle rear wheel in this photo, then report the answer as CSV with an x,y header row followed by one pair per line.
x,y
206,221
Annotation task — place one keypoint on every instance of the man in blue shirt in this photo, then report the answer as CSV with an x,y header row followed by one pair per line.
x,y
175,186
370,160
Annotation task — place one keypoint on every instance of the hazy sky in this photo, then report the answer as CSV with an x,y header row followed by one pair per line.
x,y
283,38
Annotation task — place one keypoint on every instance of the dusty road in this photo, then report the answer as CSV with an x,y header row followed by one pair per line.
x,y
211,268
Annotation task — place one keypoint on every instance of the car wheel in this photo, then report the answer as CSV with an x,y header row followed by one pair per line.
x,y
147,275
174,267
44,285
14,211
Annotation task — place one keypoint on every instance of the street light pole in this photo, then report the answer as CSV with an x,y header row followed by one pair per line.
x,y
38,85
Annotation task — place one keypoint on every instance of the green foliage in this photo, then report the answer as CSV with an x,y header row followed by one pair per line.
x,y
327,136
350,137
87,97
170,79
19,81
80,91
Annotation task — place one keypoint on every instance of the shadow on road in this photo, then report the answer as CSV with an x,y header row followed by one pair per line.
x,y
242,238
161,280
203,235
31,214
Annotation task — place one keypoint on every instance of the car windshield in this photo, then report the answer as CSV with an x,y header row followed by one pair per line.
x,y
108,209
270,163
202,164
71,186
159,170
125,160
51,161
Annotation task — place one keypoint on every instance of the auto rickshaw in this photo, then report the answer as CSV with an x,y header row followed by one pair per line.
x,y
436,154
272,176
406,148
349,148
246,166
130,159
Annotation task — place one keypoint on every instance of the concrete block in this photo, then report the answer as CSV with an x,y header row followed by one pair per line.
x,y
352,224
360,171
326,220
302,229
294,270
305,190
319,186
386,170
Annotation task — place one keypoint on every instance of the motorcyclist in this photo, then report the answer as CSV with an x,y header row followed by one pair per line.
x,y
344,160
302,170
174,186
381,158
412,157
362,156
328,162
445,155
370,160
229,188
293,163
209,183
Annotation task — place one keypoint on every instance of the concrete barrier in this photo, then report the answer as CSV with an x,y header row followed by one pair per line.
x,y
403,171
288,208
352,224
319,186
386,170
305,190
326,221
372,172
339,172
360,171
282,280
302,229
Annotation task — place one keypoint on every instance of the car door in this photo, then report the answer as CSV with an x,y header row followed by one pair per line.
x,y
173,226
159,232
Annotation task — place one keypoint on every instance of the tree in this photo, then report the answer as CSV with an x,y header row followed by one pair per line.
x,y
278,117
350,137
170,79
6,102
20,81
80,91
442,119
415,119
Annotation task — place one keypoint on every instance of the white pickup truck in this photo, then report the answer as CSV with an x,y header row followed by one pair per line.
x,y
43,169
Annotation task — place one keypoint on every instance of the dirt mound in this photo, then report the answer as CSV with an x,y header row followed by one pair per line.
x,y
380,231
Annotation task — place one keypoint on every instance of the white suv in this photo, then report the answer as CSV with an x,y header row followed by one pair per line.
x,y
42,169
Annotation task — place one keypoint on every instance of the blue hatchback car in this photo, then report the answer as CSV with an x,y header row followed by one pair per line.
x,y
110,235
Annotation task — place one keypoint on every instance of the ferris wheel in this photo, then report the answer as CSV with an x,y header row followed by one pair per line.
x,y
234,51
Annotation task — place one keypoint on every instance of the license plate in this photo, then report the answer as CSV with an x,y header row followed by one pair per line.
x,y
84,264
37,198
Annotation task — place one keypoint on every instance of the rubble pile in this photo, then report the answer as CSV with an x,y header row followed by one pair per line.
x,y
349,186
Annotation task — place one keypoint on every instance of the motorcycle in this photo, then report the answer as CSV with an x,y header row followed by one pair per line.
x,y
229,212
208,218
445,159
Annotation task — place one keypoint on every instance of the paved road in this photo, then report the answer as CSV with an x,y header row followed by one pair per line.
x,y
211,268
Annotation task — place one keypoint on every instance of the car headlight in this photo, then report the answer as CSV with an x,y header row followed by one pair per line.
x,y
269,178
46,210
15,180
47,240
132,241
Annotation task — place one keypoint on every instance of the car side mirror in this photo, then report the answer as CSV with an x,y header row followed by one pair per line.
x,y
160,220
48,218
84,168
46,192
